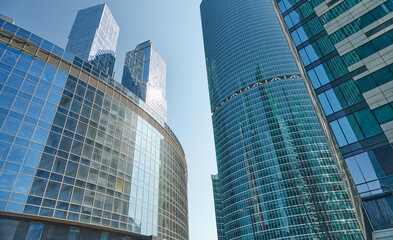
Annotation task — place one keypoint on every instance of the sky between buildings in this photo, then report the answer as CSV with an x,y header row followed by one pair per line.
x,y
174,26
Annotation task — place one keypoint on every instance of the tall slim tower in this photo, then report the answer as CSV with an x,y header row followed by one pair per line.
x,y
278,176
93,37
346,48
144,74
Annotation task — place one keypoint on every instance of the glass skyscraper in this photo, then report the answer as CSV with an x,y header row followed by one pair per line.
x,y
347,51
93,37
144,74
81,157
279,176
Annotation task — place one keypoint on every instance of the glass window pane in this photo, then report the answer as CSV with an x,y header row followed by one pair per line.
x,y
7,180
331,96
351,92
35,231
366,83
311,52
321,74
325,104
347,129
314,79
338,134
23,184
73,234
366,167
367,122
354,169
384,114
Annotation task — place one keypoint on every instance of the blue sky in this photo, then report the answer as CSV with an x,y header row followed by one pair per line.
x,y
174,26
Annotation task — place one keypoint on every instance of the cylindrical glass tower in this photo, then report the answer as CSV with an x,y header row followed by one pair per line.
x,y
277,178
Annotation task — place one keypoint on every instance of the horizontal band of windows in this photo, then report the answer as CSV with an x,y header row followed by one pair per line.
x,y
346,111
368,144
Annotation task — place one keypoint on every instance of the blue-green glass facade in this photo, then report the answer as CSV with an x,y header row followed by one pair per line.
x,y
93,37
78,148
346,49
218,208
277,178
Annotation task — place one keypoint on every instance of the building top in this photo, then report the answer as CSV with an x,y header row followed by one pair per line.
x,y
85,66
7,19
94,29
144,74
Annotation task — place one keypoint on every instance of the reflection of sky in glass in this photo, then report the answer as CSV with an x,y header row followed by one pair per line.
x,y
145,75
364,175
94,32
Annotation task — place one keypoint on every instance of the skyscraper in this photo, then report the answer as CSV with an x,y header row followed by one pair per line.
x,y
81,157
145,75
346,48
279,176
93,37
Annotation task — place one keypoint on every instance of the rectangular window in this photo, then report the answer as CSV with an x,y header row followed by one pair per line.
x,y
73,234
119,185
369,124
325,104
35,231
384,114
338,134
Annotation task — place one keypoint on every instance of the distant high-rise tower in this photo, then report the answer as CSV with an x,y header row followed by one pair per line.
x,y
279,176
145,75
93,37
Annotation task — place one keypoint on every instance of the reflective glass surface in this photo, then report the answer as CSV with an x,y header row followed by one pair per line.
x,y
353,82
144,74
93,37
276,177
77,148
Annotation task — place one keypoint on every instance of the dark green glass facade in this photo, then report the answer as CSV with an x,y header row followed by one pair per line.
x,y
277,178
346,49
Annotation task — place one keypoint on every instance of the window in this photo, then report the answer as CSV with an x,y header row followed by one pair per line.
x,y
338,134
104,236
384,114
333,100
35,231
119,185
366,83
325,104
368,123
347,129
73,234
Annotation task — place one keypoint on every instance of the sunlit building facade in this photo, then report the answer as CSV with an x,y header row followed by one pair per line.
x,y
346,48
93,37
81,157
279,175
144,74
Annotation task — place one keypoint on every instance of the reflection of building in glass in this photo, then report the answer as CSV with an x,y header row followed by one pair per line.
x,y
145,75
80,155
279,175
346,48
93,37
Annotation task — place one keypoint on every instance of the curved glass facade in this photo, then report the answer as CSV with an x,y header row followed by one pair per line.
x,y
77,147
277,178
